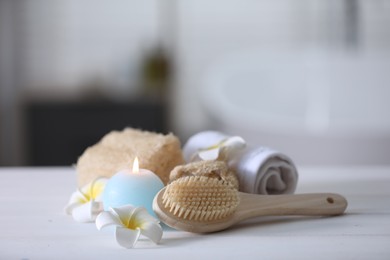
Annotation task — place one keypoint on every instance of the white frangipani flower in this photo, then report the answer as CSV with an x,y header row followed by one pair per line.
x,y
130,223
85,203
224,150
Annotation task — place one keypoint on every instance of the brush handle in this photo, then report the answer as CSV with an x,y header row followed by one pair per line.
x,y
311,204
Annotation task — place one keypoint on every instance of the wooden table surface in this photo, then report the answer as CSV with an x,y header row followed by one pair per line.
x,y
34,226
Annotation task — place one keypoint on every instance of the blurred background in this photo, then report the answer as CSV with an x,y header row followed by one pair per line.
x,y
310,78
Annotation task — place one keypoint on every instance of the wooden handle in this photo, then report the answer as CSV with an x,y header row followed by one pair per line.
x,y
313,204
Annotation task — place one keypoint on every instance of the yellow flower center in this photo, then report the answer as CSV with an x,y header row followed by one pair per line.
x,y
93,190
215,146
134,222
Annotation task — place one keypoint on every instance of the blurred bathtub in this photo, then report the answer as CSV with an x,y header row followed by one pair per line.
x,y
321,108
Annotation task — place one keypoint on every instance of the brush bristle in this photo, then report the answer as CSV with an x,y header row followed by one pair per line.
x,y
200,198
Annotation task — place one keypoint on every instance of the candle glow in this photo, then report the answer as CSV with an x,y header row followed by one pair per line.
x,y
135,165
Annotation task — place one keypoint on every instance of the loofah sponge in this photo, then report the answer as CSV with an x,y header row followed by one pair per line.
x,y
116,150
212,169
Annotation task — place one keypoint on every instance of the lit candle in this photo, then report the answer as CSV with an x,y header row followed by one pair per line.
x,y
132,186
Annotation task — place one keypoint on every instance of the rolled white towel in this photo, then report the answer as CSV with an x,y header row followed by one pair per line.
x,y
265,171
259,170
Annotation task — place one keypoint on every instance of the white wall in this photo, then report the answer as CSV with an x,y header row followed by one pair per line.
x,y
69,43
60,48
66,45
9,149
210,30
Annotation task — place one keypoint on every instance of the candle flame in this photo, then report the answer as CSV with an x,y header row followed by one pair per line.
x,y
135,165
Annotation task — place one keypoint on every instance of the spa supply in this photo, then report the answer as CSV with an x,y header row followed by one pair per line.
x,y
260,170
132,186
200,204
86,202
156,152
212,145
265,171
200,198
212,169
130,222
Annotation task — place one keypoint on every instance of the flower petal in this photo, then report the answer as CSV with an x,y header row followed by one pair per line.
x,y
235,142
152,230
76,199
210,154
83,213
131,222
97,188
94,189
124,213
69,208
107,218
223,150
127,237
231,147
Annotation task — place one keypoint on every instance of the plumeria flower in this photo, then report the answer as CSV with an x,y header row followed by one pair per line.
x,y
85,203
130,223
224,150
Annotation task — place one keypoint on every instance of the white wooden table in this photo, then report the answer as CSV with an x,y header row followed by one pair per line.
x,y
33,225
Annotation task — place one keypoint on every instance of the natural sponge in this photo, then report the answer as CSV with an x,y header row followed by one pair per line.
x,y
211,169
116,150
